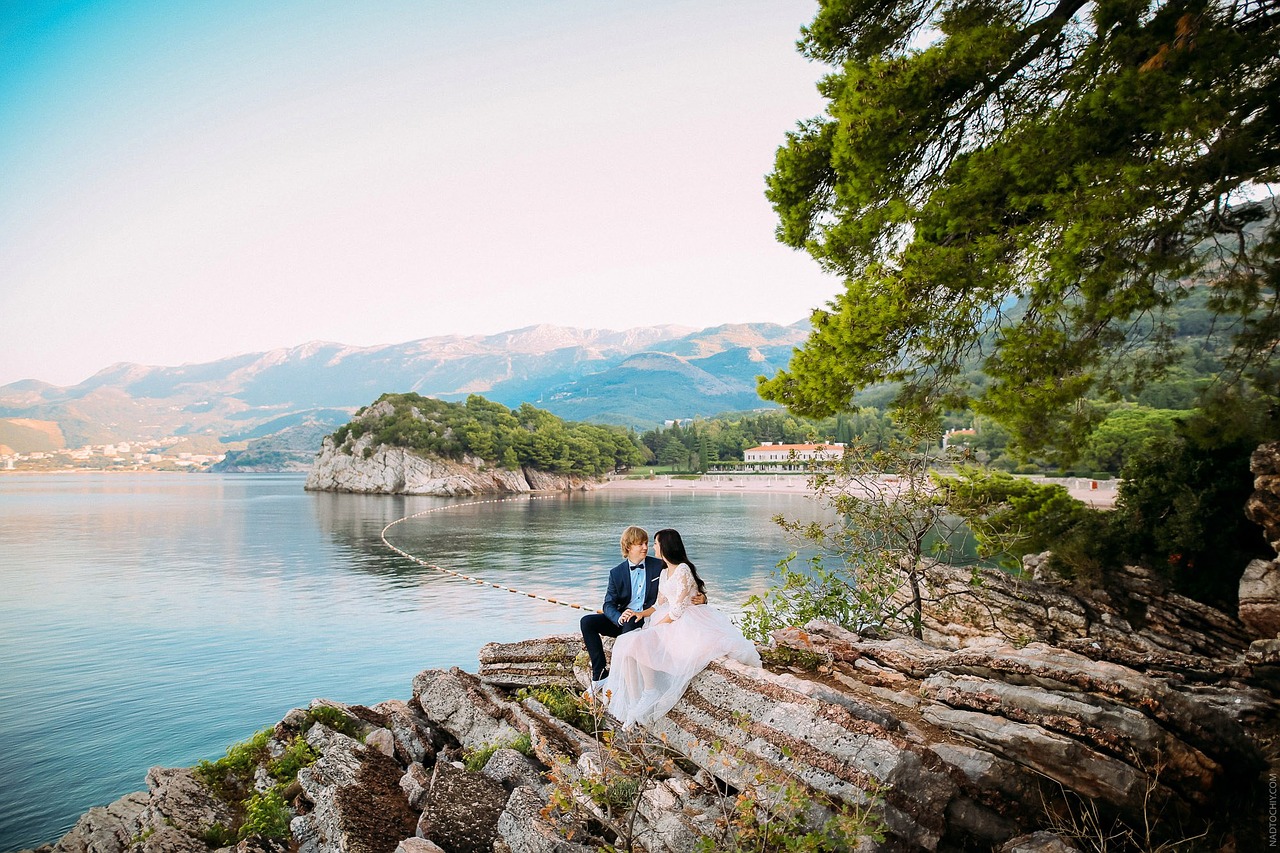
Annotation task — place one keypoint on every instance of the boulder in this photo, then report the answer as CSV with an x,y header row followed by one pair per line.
x,y
106,829
1039,842
462,810
357,804
416,783
1260,598
458,703
523,829
180,801
513,770
1263,506
1135,621
414,736
418,845
547,661
1127,740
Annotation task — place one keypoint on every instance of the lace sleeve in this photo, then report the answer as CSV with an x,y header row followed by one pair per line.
x,y
681,594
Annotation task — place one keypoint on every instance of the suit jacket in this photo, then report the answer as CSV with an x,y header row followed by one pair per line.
x,y
618,596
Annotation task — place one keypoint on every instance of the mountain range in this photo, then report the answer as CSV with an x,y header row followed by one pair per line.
x,y
638,377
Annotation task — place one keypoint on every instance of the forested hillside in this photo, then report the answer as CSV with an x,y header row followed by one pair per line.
x,y
509,438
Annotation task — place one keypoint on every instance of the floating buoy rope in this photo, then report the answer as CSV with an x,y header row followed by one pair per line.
x,y
469,578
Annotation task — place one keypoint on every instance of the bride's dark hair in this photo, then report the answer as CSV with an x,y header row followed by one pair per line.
x,y
673,553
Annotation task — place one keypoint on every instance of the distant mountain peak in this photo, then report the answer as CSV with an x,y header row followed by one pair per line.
x,y
606,375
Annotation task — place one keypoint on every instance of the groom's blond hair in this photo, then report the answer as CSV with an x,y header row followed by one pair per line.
x,y
632,536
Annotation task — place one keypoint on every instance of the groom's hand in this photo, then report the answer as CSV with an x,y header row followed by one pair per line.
x,y
628,615
698,598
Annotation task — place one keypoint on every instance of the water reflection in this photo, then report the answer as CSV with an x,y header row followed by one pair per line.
x,y
156,619
562,546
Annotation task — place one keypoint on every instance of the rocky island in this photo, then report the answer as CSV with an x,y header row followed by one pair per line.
x,y
412,445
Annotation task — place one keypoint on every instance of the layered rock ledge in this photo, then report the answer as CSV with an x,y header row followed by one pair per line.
x,y
990,746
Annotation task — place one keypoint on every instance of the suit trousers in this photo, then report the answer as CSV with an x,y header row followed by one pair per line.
x,y
597,625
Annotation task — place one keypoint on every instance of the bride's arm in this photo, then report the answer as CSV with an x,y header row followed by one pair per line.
x,y
680,595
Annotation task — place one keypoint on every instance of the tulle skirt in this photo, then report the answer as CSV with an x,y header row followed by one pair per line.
x,y
652,666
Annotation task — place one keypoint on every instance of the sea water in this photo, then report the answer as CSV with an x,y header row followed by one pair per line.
x,y
155,619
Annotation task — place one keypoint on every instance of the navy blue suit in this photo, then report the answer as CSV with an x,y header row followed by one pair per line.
x,y
617,599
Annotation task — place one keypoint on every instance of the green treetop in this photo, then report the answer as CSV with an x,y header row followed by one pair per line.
x,y
1031,186
510,438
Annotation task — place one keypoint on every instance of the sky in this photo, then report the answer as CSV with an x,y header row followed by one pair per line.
x,y
182,182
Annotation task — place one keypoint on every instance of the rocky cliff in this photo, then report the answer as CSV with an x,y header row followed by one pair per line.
x,y
397,471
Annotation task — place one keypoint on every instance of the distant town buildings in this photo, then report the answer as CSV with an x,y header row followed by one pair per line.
x,y
150,455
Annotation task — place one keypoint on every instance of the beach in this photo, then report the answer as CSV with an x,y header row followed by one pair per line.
x,y
1100,494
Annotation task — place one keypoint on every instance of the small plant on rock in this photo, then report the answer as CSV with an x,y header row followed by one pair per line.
x,y
335,719
217,836
296,756
564,704
605,800
266,816
475,759
233,773
776,818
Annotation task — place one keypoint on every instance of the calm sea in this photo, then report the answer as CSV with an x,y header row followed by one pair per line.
x,y
155,619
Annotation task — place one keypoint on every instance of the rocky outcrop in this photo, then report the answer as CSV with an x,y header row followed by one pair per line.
x,y
389,470
1135,620
1263,507
1260,585
544,662
1024,713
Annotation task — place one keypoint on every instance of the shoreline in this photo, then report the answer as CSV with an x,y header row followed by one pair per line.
x,y
1099,494
794,484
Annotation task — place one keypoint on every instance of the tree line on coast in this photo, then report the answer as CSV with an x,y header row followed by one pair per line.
x,y
1122,421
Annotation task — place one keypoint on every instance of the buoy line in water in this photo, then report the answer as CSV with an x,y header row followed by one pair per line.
x,y
469,578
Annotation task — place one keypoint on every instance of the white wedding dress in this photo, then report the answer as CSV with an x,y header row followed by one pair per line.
x,y
652,666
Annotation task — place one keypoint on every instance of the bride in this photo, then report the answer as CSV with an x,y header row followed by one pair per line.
x,y
652,666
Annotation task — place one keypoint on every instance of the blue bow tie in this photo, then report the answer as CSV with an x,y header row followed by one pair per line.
x,y
641,566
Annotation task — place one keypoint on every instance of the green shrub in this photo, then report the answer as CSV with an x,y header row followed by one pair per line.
x,y
475,759
1180,508
296,756
335,719
266,815
799,596
1012,516
218,836
235,769
564,704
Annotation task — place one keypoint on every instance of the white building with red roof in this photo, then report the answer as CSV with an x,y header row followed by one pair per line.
x,y
771,452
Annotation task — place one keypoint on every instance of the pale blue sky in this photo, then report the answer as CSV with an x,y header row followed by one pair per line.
x,y
183,181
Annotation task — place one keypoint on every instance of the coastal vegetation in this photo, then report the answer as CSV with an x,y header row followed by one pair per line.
x,y
1034,189
1055,228
1122,421
503,437
263,813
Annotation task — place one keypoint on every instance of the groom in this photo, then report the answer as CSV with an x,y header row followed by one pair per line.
x,y
633,586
